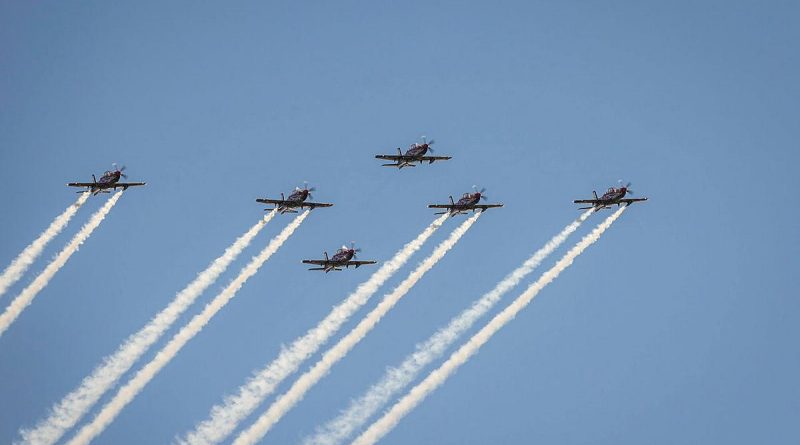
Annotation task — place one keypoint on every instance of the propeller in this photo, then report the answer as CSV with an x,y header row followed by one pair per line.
x,y
626,186
431,142
353,248
119,169
475,188
306,188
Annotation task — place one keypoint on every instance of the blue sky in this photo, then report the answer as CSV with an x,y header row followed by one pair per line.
x,y
678,326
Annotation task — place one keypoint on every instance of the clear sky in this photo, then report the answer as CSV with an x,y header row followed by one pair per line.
x,y
678,326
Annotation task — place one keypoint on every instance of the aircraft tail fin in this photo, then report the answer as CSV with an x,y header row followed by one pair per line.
x,y
595,194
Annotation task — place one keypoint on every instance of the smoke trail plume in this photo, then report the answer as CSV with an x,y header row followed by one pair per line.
x,y
127,393
436,378
395,379
21,263
29,293
225,417
77,403
285,402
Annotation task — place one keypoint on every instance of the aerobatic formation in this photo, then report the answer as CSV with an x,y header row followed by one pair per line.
x,y
228,416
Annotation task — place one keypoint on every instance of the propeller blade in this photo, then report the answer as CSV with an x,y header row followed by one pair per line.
x,y
307,189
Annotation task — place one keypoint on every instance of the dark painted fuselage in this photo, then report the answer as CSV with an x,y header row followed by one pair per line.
x,y
612,196
107,181
342,256
417,150
109,178
298,196
466,203
469,199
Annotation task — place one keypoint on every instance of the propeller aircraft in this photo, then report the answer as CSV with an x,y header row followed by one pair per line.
x,y
109,180
297,200
415,153
468,201
342,258
609,198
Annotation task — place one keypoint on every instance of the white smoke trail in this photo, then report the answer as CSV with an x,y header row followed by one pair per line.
x,y
29,293
285,402
395,379
127,393
77,403
436,378
225,417
21,263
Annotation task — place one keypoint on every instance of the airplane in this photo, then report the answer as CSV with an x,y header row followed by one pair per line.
x,y
109,180
342,258
609,198
296,200
468,201
415,153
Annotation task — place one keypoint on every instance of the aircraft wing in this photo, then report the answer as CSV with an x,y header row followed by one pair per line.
x,y
628,201
586,201
393,157
404,158
271,201
314,205
487,206
98,185
476,206
359,263
285,203
316,262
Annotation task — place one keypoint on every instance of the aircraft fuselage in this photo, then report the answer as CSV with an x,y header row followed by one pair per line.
x,y
613,196
343,256
298,195
417,151
109,178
